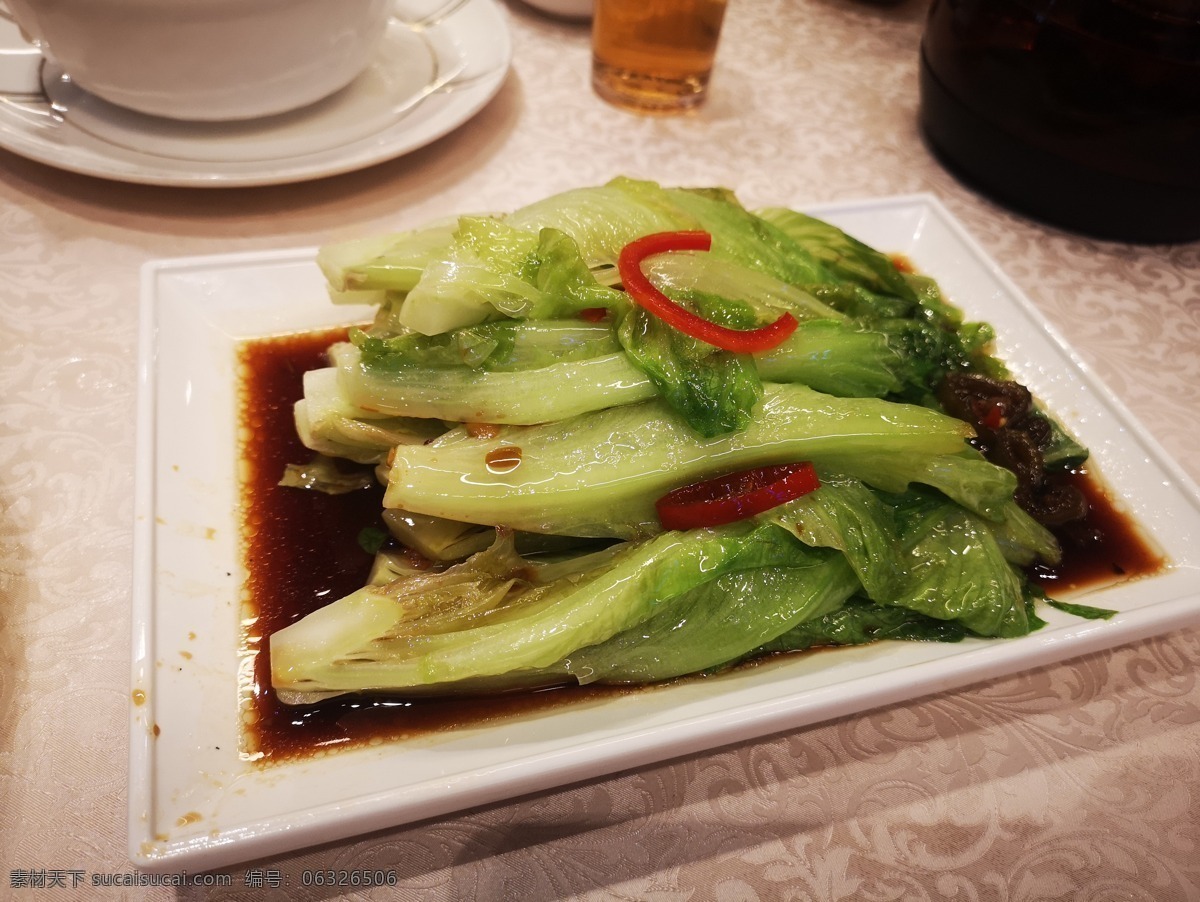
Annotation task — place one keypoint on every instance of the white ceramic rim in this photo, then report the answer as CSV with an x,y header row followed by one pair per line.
x,y
29,128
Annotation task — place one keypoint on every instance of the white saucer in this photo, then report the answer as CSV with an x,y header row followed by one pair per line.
x,y
440,63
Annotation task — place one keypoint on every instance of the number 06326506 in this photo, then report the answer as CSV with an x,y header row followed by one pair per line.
x,y
348,878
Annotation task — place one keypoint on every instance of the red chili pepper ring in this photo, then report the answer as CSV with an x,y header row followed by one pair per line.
x,y
735,496
646,295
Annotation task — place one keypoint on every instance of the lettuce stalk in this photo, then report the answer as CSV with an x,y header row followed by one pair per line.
x,y
491,615
599,475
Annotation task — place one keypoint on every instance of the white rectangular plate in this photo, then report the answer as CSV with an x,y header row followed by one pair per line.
x,y
195,804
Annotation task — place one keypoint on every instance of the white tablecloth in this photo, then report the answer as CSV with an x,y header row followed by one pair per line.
x,y
1074,781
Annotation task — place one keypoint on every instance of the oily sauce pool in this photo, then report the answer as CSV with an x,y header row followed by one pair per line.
x,y
302,551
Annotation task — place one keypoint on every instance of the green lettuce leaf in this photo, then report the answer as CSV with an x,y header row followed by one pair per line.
x,y
720,621
714,391
859,622
846,258
492,615
955,570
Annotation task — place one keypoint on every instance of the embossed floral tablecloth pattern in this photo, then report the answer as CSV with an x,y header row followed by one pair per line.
x,y
1077,781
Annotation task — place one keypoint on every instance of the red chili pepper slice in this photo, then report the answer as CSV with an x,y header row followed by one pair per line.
x,y
735,496
643,292
991,412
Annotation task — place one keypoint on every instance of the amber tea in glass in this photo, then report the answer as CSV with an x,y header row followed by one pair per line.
x,y
655,56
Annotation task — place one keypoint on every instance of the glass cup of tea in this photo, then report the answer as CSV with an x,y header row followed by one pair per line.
x,y
655,56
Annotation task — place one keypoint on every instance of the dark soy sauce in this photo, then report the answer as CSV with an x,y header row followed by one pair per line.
x,y
1106,547
302,551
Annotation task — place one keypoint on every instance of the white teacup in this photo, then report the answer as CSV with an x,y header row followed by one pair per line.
x,y
207,59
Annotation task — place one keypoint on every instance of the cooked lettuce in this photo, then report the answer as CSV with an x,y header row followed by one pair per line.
x,y
492,614
598,475
525,415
